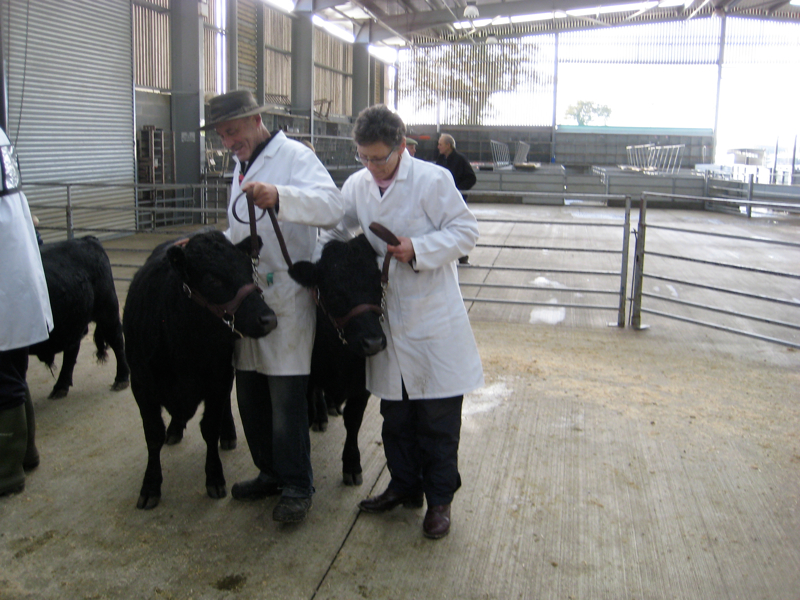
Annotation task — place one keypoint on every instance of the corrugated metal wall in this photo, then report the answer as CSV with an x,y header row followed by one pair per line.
x,y
464,84
70,97
748,41
333,72
685,43
214,48
277,57
151,45
247,48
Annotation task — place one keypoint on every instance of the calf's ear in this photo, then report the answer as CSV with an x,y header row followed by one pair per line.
x,y
304,273
245,245
177,259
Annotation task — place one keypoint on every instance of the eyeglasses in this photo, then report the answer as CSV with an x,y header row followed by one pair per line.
x,y
375,161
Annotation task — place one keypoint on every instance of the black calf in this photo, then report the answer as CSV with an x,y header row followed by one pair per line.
x,y
348,284
81,288
181,320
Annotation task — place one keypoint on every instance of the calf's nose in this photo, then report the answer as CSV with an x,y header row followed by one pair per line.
x,y
268,322
373,345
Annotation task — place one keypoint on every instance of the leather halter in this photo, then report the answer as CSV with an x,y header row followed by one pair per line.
x,y
339,323
227,310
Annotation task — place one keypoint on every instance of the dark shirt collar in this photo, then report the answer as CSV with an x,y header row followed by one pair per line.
x,y
258,150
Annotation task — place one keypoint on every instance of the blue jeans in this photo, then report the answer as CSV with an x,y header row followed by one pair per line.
x,y
274,411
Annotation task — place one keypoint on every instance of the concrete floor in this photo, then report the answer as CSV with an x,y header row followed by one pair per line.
x,y
598,462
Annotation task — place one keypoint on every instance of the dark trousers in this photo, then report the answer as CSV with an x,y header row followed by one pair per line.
x,y
420,439
13,371
274,411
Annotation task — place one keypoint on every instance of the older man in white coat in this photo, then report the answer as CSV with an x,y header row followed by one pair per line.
x,y
272,372
25,319
431,359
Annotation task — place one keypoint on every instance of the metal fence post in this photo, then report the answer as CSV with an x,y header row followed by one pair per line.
x,y
70,224
638,269
623,276
749,195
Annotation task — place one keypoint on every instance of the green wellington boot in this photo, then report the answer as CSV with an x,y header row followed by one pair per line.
x,y
31,460
13,442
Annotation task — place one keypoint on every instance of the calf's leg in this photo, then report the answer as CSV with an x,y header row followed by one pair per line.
x,y
154,435
351,457
175,431
64,381
227,435
317,408
210,428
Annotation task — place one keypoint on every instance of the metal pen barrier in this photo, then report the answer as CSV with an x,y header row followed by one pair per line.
x,y
140,207
590,245
778,310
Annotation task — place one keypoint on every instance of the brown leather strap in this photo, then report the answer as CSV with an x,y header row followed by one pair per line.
x,y
251,211
357,310
383,233
385,270
274,218
391,239
228,308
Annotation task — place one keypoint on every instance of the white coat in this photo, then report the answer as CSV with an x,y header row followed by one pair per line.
x,y
307,199
25,315
430,345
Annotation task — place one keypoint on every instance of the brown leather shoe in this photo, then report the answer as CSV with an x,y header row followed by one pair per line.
x,y
437,522
389,500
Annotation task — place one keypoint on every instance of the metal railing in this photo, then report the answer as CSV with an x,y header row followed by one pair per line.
x,y
656,159
761,280
590,246
501,156
155,207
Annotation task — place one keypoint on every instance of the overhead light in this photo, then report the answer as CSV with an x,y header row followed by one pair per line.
x,y
471,11
492,39
385,54
333,29
795,2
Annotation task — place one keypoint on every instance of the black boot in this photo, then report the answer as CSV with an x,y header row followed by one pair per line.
x,y
13,439
31,460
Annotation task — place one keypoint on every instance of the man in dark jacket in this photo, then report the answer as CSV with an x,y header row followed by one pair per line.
x,y
459,166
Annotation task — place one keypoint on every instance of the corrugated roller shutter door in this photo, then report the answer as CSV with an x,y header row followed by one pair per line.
x,y
71,109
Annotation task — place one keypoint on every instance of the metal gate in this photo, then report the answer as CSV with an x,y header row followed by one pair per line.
x,y
764,301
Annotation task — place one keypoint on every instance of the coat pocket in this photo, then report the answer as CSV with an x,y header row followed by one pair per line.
x,y
425,317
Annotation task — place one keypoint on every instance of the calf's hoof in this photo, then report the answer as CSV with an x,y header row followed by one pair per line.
x,y
217,491
320,426
173,438
148,501
118,386
57,394
352,478
227,444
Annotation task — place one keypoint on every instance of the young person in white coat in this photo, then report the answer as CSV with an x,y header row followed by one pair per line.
x,y
272,372
25,319
431,359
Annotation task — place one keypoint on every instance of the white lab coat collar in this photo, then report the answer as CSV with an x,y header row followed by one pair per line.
x,y
402,174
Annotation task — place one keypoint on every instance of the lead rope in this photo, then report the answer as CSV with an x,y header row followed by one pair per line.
x,y
251,212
